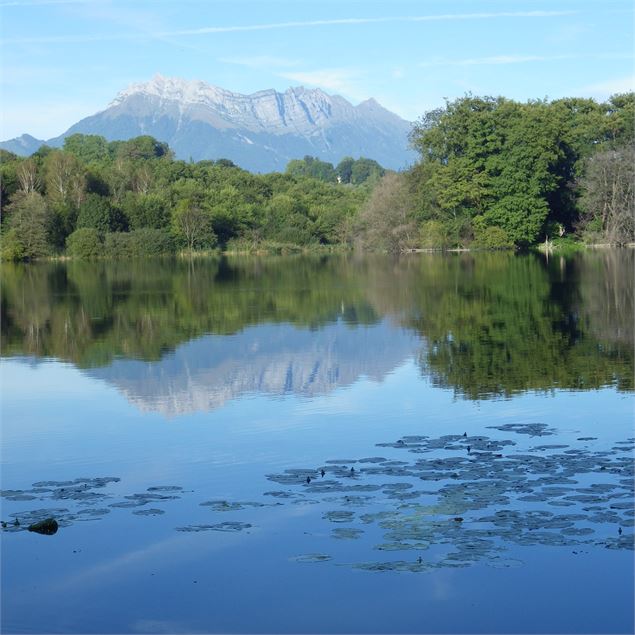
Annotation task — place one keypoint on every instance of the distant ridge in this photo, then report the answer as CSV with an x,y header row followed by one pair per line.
x,y
261,132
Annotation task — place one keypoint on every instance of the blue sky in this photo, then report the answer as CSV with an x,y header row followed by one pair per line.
x,y
62,60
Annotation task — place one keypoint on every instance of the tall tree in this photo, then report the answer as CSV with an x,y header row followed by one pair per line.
x,y
65,179
28,177
608,195
26,229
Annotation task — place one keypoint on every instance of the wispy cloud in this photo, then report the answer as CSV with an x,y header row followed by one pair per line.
x,y
39,3
605,89
339,80
262,61
495,60
65,39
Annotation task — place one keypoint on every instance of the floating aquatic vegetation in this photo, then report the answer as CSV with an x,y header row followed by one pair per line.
x,y
226,506
402,546
531,429
622,542
283,494
339,516
481,496
312,557
305,501
577,531
347,533
229,526
80,491
514,490
100,481
353,500
396,565
22,520
89,514
16,495
77,494
625,505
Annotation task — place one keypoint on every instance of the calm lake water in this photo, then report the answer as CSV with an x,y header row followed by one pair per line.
x,y
438,444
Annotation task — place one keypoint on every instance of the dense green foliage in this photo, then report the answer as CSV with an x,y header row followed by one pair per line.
x,y
494,163
493,173
140,201
491,323
348,170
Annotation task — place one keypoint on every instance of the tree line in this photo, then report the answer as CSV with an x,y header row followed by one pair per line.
x,y
131,198
492,173
496,173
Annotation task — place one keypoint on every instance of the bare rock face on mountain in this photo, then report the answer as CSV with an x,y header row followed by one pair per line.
x,y
260,132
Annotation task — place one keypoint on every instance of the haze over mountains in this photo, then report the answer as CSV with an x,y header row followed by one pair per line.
x,y
260,132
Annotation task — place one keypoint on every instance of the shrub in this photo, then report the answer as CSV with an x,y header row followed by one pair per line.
x,y
85,242
11,246
492,238
138,243
433,234
27,228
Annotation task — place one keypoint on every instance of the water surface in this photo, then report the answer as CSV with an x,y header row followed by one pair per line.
x,y
192,426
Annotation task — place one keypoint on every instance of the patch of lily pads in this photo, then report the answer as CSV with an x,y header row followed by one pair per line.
x,y
482,496
227,526
462,499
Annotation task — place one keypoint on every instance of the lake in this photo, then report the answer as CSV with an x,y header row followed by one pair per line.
x,y
333,444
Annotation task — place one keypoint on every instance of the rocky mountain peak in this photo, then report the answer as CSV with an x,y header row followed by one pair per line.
x,y
261,131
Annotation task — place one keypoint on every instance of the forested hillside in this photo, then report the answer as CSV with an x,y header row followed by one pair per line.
x,y
493,173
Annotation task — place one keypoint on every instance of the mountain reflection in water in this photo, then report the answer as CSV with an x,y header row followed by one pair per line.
x,y
205,373
179,336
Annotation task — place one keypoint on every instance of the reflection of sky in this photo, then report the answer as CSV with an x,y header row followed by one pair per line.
x,y
55,415
135,574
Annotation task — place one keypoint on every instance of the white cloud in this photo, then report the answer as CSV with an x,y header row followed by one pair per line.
x,y
39,3
53,39
261,61
477,61
518,59
605,89
339,80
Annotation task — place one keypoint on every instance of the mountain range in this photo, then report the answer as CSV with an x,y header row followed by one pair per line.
x,y
260,132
